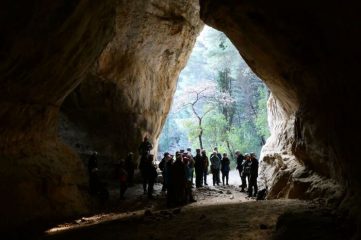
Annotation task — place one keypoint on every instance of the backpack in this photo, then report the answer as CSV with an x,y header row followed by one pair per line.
x,y
261,195
247,168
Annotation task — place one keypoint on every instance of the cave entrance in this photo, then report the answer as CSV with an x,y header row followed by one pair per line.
x,y
219,102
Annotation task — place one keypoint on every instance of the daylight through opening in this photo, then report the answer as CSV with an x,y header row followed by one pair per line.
x,y
219,102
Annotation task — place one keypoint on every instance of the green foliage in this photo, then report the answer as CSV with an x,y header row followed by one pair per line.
x,y
239,120
261,118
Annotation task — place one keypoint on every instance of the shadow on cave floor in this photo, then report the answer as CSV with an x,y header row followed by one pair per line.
x,y
220,213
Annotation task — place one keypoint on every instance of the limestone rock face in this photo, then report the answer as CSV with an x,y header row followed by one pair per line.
x,y
129,92
285,174
45,51
306,52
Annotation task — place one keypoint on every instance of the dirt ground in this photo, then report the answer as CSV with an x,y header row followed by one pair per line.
x,y
221,212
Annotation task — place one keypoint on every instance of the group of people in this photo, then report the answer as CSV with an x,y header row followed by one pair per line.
x,y
178,172
247,166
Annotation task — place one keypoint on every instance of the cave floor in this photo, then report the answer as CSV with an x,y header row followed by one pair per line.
x,y
221,212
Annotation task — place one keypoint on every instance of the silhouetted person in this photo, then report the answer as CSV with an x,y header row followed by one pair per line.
x,y
225,168
129,167
246,166
96,186
162,168
191,164
218,154
144,148
252,186
150,174
199,167
239,167
205,166
178,182
144,151
215,167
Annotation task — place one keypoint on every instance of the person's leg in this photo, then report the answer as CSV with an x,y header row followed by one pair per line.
x,y
244,184
223,176
192,172
218,177
205,177
227,177
150,188
163,183
214,177
255,187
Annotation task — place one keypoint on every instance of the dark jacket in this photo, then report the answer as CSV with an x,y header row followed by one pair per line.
x,y
225,164
254,167
239,162
199,164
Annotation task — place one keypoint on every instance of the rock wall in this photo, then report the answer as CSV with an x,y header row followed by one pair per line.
x,y
129,91
306,52
46,50
282,172
130,54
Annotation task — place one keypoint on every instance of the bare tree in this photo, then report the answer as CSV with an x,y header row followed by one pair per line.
x,y
201,100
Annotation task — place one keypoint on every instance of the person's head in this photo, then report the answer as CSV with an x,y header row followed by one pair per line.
x,y
181,151
189,149
203,152
179,157
166,154
198,151
237,153
214,152
215,149
253,155
224,154
246,156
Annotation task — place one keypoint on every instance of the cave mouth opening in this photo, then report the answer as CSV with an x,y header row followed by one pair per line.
x,y
219,102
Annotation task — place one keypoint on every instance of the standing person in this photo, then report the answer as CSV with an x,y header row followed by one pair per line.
x,y
129,167
225,168
190,164
178,180
246,166
205,166
198,165
150,174
218,154
239,167
215,167
144,151
252,185
162,168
